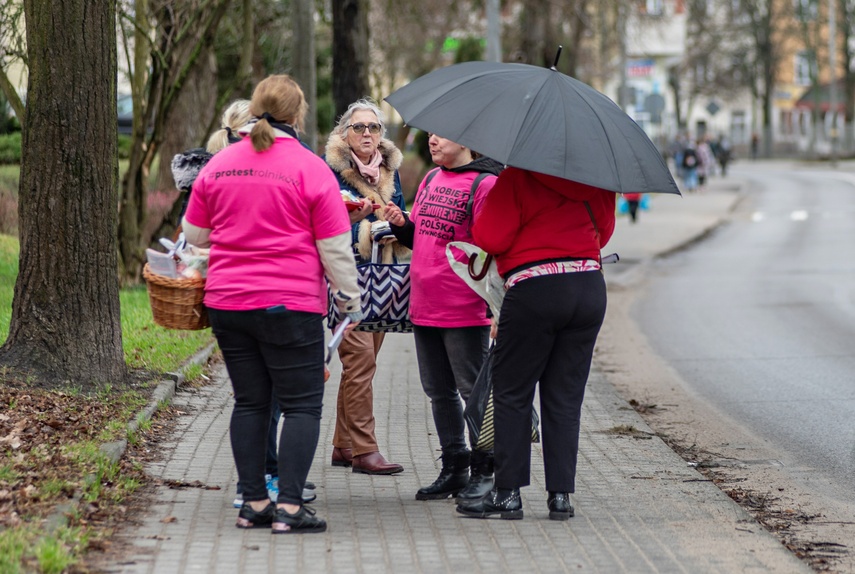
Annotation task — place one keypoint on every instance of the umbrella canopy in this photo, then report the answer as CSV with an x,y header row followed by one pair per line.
x,y
537,119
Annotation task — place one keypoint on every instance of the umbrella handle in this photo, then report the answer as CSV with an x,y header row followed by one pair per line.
x,y
483,273
557,55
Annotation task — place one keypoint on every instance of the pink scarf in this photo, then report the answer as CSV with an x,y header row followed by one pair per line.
x,y
371,171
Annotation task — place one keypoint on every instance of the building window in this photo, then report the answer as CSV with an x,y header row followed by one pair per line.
x,y
738,127
785,125
655,7
803,66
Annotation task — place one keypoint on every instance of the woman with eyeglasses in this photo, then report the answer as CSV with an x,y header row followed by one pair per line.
x,y
366,165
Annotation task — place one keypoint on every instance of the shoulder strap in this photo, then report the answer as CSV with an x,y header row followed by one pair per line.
x,y
431,174
477,276
475,183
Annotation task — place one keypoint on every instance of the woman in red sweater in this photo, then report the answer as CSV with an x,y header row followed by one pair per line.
x,y
546,234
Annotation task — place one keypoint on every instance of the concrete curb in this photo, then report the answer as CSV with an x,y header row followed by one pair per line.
x,y
632,276
114,451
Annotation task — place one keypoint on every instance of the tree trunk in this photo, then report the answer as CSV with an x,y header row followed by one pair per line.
x,y
188,123
181,38
350,53
533,23
65,324
303,25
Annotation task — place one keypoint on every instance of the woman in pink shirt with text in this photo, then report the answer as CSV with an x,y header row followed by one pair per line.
x,y
451,326
271,212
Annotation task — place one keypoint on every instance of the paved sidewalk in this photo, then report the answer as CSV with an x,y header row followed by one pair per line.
x,y
639,508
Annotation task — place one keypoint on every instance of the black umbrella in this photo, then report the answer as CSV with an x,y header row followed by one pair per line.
x,y
537,119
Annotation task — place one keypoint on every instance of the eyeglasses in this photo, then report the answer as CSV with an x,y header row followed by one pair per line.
x,y
373,129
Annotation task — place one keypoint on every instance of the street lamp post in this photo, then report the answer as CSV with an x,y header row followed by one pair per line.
x,y
832,86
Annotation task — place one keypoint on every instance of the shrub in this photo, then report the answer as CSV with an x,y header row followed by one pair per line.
x,y
124,146
10,148
9,199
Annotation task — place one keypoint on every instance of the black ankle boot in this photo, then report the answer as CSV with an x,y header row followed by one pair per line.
x,y
452,478
560,506
498,503
480,477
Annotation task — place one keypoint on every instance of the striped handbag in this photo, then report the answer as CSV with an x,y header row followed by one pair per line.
x,y
479,409
385,291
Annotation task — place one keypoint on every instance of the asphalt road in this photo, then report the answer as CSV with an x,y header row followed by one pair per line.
x,y
759,319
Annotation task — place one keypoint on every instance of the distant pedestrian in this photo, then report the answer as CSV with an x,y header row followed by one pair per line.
x,y
706,162
690,167
272,240
633,201
755,145
546,234
724,154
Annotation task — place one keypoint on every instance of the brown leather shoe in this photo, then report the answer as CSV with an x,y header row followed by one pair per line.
x,y
342,456
374,463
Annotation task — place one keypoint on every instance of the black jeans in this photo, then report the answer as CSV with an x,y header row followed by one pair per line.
x,y
547,330
273,353
449,361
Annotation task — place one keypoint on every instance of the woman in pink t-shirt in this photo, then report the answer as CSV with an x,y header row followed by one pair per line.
x,y
451,327
271,212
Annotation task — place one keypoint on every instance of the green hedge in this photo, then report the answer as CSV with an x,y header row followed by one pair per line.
x,y
10,148
124,146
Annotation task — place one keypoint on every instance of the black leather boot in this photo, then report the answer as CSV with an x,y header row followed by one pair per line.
x,y
480,477
452,478
498,503
560,506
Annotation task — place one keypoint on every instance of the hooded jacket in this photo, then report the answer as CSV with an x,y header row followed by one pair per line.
x,y
529,218
388,189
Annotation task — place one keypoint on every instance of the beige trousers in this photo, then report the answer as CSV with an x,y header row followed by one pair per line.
x,y
354,422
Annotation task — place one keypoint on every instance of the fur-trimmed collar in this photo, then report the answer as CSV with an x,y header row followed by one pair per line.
x,y
339,159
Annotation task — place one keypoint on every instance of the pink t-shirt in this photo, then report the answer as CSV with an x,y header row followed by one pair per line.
x,y
438,297
266,211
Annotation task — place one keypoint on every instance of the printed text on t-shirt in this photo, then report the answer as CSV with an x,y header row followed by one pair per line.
x,y
264,173
444,204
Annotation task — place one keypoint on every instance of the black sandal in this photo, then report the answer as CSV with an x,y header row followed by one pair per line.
x,y
251,518
303,520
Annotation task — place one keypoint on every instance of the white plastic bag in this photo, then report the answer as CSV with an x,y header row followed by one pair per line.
x,y
491,288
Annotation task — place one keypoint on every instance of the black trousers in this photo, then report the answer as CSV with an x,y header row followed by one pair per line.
x,y
273,353
547,330
449,361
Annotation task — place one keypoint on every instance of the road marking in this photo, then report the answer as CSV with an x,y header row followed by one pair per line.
x,y
799,215
758,216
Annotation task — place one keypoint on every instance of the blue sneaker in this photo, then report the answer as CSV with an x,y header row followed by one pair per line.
x,y
309,492
272,486
273,489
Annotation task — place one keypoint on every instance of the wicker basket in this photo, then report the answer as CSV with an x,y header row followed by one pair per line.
x,y
176,303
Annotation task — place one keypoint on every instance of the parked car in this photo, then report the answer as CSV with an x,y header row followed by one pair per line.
x,y
125,106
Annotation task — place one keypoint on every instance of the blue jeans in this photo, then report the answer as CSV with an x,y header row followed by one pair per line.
x,y
449,361
273,353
